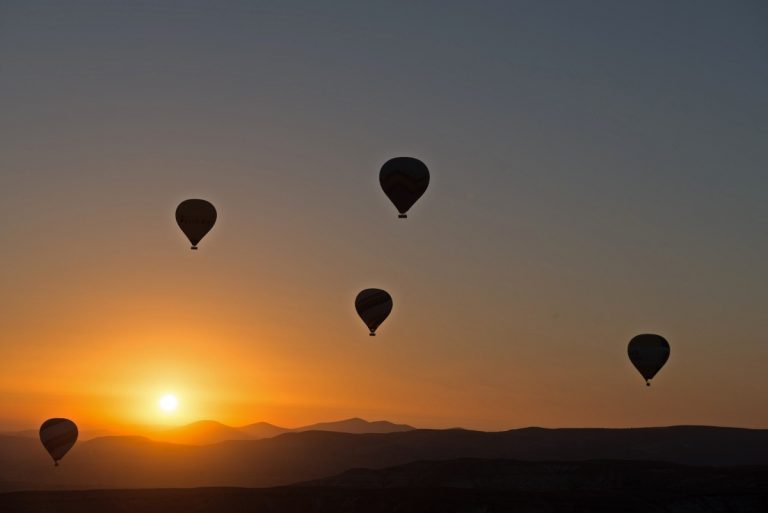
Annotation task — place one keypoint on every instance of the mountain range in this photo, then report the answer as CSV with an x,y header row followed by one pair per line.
x,y
210,432
138,462
206,432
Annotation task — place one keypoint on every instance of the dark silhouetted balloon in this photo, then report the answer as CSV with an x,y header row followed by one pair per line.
x,y
404,180
58,437
648,354
195,217
373,306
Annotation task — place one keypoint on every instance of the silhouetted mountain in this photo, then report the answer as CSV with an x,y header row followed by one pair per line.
x,y
455,486
201,433
356,425
262,430
211,432
135,462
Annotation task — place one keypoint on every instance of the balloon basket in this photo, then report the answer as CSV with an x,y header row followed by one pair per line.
x,y
371,334
402,216
194,247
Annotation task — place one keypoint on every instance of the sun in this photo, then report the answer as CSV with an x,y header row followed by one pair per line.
x,y
168,403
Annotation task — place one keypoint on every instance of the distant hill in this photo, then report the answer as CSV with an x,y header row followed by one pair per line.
x,y
201,433
135,462
453,486
262,430
211,432
356,425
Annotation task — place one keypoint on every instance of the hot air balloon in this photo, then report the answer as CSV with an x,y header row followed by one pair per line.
x,y
373,306
195,217
648,354
404,180
58,437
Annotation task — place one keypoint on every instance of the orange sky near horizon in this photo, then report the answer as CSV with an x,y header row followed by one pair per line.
x,y
241,342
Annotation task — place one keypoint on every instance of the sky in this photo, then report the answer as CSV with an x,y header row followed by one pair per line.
x,y
598,170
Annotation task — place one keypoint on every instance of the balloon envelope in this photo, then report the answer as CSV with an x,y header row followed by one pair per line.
x,y
404,180
648,353
373,306
195,217
58,437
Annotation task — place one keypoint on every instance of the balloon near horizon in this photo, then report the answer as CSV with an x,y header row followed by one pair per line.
x,y
58,435
648,353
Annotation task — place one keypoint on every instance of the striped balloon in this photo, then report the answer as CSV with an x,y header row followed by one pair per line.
x,y
404,180
58,437
373,306
195,217
648,353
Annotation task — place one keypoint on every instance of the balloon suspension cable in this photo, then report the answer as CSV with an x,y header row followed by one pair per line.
x,y
402,216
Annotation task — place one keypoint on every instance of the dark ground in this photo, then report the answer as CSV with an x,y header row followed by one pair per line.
x,y
465,485
109,463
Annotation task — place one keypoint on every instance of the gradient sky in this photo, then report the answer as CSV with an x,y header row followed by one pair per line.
x,y
599,170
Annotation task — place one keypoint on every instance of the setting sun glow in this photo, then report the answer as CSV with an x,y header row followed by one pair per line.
x,y
168,403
